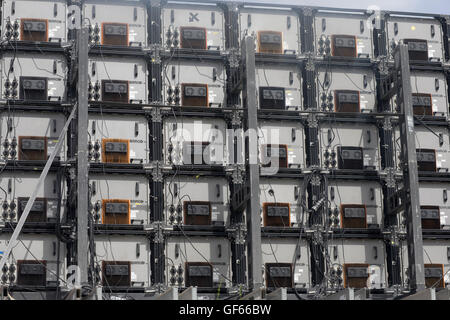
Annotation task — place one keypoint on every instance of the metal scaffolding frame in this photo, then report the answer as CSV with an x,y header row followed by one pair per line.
x,y
244,181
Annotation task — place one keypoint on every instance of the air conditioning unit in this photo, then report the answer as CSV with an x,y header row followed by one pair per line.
x,y
342,35
353,216
204,263
115,151
22,22
123,261
204,201
192,26
34,265
272,98
116,273
343,46
276,214
197,212
129,192
199,274
279,275
424,37
356,275
115,211
270,42
18,187
34,77
119,24
194,95
190,84
276,30
118,80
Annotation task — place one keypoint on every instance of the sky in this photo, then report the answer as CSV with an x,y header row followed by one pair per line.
x,y
422,6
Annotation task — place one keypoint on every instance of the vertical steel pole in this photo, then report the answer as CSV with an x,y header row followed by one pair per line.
x,y
251,152
410,171
82,155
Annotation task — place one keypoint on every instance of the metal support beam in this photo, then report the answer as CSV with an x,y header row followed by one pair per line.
x,y
443,294
410,172
157,244
389,190
157,241
251,153
238,192
257,294
279,294
238,255
82,156
379,35
312,136
231,11
154,27
346,294
309,85
307,32
170,294
349,294
231,14
154,34
360,294
427,294
188,294
99,293
393,262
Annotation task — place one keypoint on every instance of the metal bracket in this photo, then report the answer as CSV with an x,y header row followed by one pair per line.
x,y
393,235
310,65
240,198
387,124
426,294
278,294
155,170
402,85
233,58
396,202
238,233
157,288
169,294
389,178
308,11
316,181
349,294
155,54
188,294
158,230
156,114
257,294
235,118
312,121
383,66
236,172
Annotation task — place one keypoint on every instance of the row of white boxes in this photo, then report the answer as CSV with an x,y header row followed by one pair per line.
x,y
205,201
185,194
33,135
43,77
202,26
123,262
